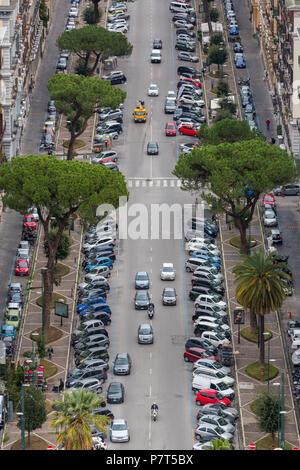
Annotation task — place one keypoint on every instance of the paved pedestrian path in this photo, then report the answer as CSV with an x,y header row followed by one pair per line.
x,y
33,320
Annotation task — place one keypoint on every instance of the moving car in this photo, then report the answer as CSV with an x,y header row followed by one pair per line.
x,y
118,431
142,280
170,106
152,148
157,44
122,364
167,273
153,90
116,77
115,393
169,296
145,334
170,129
141,300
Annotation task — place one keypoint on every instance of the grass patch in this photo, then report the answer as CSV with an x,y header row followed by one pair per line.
x,y
217,74
267,443
6,438
251,336
54,298
78,144
49,408
53,335
61,270
297,163
50,369
36,443
256,371
236,242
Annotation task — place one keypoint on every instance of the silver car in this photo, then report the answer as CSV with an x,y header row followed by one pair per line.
x,y
270,219
145,334
91,384
167,272
119,431
206,432
223,423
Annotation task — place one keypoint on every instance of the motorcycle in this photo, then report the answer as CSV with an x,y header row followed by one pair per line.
x,y
154,414
150,312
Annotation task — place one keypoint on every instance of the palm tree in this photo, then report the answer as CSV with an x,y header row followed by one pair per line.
x,y
74,419
260,288
219,444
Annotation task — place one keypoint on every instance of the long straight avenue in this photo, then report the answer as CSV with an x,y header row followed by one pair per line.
x,y
159,373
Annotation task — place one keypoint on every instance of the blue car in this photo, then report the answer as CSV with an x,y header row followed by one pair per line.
x,y
234,30
8,330
98,263
204,252
196,254
97,300
100,308
240,63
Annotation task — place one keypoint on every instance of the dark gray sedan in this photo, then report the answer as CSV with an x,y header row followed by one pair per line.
x,y
141,300
169,296
152,148
115,393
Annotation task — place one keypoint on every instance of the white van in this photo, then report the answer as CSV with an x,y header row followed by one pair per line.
x,y
155,56
207,383
177,7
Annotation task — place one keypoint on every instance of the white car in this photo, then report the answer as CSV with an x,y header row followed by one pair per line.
x,y
213,300
153,90
73,13
270,219
190,100
194,246
118,27
106,241
210,322
216,374
203,445
214,338
167,273
171,96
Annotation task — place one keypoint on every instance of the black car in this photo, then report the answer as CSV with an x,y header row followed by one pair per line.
x,y
141,300
103,316
194,117
113,116
180,16
184,46
196,281
106,128
170,106
195,291
157,44
194,342
184,69
115,393
122,364
102,284
103,412
185,31
152,148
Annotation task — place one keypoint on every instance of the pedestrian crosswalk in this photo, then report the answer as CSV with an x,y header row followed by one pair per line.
x,y
153,183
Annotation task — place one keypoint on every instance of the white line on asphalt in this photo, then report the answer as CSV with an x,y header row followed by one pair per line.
x,y
150,371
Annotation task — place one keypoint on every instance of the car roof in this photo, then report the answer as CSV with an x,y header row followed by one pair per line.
x,y
168,265
142,272
122,354
119,421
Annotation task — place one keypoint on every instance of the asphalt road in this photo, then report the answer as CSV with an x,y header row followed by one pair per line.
x,y
159,373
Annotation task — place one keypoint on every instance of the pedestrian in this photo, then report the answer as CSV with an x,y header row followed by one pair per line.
x,y
268,122
50,352
212,83
61,385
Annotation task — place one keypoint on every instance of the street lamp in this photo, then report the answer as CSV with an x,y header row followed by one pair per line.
x,y
277,384
269,334
35,334
43,271
22,414
220,51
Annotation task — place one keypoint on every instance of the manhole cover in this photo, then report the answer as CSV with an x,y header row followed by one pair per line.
x,y
178,339
178,395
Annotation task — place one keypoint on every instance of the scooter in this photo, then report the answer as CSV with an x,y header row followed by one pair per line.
x,y
154,414
150,312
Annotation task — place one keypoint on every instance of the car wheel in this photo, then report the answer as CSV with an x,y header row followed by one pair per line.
x,y
110,268
186,359
108,322
198,402
188,270
197,437
197,306
116,137
106,359
102,381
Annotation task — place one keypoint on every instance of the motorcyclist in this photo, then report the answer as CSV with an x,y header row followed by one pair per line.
x,y
151,307
154,407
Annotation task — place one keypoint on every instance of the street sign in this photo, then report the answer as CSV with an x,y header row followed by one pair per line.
x,y
295,448
61,309
252,446
50,448
239,316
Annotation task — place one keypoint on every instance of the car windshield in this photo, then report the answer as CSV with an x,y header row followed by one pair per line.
x,y
142,277
153,87
12,317
121,361
22,265
119,427
142,296
145,330
219,396
170,126
29,219
169,293
269,215
140,113
114,388
168,269
268,199
223,386
205,354
216,298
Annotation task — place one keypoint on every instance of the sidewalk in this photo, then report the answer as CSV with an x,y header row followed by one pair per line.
x,y
247,388
33,320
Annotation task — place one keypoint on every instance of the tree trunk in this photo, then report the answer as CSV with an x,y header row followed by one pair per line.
x,y
86,62
262,341
207,16
71,145
243,235
96,11
98,56
253,322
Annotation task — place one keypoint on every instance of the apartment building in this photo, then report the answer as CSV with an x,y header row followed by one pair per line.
x,y
21,39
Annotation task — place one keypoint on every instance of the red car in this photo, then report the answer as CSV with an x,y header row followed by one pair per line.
x,y
188,129
269,201
193,354
170,128
211,396
22,267
29,221
193,81
103,161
